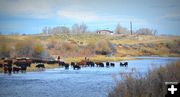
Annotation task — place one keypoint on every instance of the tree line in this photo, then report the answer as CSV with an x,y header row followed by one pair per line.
x,y
76,29
82,28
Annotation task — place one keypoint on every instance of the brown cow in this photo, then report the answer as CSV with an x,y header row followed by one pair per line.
x,y
81,63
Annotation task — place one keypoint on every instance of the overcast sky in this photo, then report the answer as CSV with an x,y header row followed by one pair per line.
x,y
30,16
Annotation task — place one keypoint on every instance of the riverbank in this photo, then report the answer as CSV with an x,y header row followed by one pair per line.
x,y
153,84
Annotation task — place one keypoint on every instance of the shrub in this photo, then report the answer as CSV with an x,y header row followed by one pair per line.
x,y
91,47
51,44
38,50
150,85
24,48
4,50
146,31
103,47
67,46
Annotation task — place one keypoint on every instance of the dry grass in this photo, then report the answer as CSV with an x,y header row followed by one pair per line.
x,y
151,85
97,58
164,46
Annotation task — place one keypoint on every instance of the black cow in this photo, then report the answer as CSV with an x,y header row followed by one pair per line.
x,y
107,64
90,63
41,65
22,64
73,63
76,67
16,69
66,66
23,60
52,62
100,64
1,65
9,65
61,63
23,67
124,64
112,64
29,62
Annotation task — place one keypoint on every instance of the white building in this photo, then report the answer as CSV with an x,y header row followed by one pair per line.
x,y
104,32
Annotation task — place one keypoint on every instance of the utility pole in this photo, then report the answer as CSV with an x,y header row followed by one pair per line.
x,y
131,27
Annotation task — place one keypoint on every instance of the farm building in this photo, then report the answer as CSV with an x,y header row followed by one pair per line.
x,y
105,32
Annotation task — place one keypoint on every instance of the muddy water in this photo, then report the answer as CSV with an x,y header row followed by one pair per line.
x,y
87,82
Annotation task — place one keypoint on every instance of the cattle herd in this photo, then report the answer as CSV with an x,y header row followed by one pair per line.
x,y
21,64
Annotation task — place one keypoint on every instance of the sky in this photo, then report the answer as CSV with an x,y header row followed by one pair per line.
x,y
30,16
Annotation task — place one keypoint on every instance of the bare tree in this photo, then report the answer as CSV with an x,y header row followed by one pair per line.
x,y
14,33
121,30
49,30
146,31
45,30
56,30
155,32
83,28
64,29
75,28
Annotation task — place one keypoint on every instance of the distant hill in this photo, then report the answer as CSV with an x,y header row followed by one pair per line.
x,y
81,45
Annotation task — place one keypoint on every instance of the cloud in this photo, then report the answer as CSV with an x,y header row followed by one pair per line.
x,y
26,8
79,15
172,17
35,9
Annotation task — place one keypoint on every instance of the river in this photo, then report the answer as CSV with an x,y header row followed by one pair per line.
x,y
87,82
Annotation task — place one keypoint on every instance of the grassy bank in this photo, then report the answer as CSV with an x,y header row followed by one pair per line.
x,y
79,45
98,59
152,85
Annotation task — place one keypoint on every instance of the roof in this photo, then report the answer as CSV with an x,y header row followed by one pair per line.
x,y
105,30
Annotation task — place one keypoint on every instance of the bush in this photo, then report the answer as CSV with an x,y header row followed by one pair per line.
x,y
90,47
103,47
68,47
24,48
151,85
5,46
38,50
146,31
4,50
51,44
